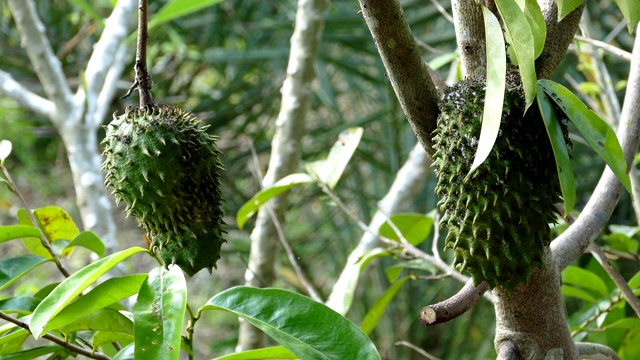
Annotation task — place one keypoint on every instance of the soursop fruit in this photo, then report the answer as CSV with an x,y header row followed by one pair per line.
x,y
164,165
497,217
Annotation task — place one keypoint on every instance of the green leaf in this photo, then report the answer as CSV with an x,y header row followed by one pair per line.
x,y
13,336
250,207
109,292
88,240
274,352
102,320
352,273
159,313
330,170
631,11
178,8
54,222
572,291
14,268
89,10
536,25
373,316
127,353
580,277
494,94
415,228
32,353
522,43
418,264
626,323
566,6
5,150
72,286
21,305
15,344
12,232
600,137
560,151
106,337
634,282
309,329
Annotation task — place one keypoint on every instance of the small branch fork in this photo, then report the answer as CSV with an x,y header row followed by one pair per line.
x,y
143,81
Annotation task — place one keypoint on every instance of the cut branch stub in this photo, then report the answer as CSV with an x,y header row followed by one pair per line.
x,y
455,306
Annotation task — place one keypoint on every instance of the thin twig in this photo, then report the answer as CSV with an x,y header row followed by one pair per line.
x,y
416,349
43,236
632,299
454,306
143,79
614,50
74,348
442,10
283,240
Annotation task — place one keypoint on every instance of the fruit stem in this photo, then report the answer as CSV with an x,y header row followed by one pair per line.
x,y
143,79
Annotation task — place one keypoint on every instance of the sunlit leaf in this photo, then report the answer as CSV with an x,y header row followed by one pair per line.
x,y
580,277
626,323
12,232
72,286
250,207
178,8
14,268
373,316
560,151
54,222
537,25
32,353
309,329
330,170
159,313
572,291
494,94
102,320
274,352
631,11
13,336
415,228
566,6
600,137
522,43
88,240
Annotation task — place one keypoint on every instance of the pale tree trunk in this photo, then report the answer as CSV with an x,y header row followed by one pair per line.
x,y
78,116
285,152
530,321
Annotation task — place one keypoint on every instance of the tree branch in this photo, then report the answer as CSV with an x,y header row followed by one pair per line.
x,y
23,96
143,79
595,215
559,36
596,351
105,54
469,26
405,67
508,350
455,306
46,64
624,55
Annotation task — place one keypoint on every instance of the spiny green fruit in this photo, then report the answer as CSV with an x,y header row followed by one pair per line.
x,y
164,165
498,217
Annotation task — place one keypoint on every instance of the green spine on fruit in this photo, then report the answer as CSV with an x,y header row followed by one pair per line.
x,y
164,165
498,218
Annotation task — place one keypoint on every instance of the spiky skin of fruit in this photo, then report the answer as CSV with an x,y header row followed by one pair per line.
x,y
164,165
497,217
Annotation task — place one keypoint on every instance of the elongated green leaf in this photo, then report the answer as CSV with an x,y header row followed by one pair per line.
x,y
330,170
341,303
373,316
105,294
102,320
88,240
20,304
572,291
566,6
494,94
14,345
576,276
631,11
54,222
14,268
600,137
537,25
560,151
521,41
274,352
626,323
159,313
13,336
71,287
417,264
12,232
32,353
250,207
634,282
127,353
178,8
309,329
415,228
